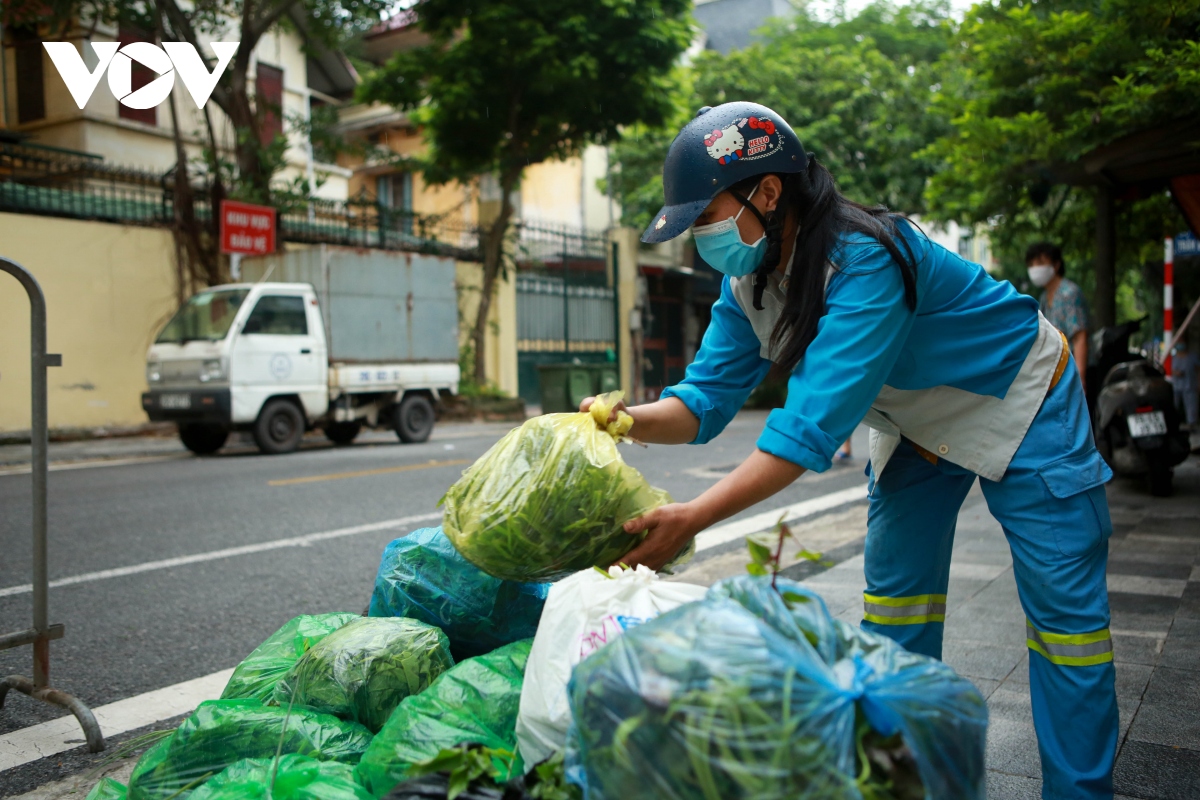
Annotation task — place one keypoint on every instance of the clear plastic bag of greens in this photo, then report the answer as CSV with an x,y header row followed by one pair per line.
x,y
423,577
364,669
758,693
550,498
221,732
290,777
476,702
108,789
256,676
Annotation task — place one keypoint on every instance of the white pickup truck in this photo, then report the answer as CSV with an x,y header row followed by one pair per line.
x,y
353,338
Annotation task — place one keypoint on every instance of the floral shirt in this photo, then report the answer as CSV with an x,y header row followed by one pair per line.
x,y
1068,310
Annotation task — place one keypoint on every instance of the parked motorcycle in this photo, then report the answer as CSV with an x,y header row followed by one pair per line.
x,y
1136,425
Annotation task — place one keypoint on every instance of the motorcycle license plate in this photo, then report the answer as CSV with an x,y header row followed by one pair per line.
x,y
1152,423
175,401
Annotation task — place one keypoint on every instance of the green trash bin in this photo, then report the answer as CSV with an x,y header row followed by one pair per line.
x,y
565,385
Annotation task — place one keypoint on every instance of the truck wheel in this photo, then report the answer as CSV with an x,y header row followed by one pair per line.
x,y
280,427
342,433
202,438
413,419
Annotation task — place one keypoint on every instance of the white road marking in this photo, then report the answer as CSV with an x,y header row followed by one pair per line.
x,y
62,734
730,531
228,552
90,464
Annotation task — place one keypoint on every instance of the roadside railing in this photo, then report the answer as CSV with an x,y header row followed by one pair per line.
x,y
48,181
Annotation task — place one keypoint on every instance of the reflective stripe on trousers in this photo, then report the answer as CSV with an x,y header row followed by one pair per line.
x,y
1071,650
916,610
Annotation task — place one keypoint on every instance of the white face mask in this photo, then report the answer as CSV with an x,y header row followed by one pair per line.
x,y
1041,275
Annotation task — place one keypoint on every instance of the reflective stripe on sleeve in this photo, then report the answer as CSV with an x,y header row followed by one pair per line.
x,y
916,610
1071,649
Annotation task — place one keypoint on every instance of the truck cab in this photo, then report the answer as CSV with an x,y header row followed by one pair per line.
x,y
255,357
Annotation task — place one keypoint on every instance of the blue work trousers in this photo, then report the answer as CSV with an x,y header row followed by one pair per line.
x,y
1052,507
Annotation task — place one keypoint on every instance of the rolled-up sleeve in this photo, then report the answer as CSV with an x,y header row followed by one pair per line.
x,y
724,372
858,340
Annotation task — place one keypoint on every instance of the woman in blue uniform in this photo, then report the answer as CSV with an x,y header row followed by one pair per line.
x,y
959,378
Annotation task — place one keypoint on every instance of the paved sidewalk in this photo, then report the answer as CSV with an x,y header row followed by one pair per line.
x,y
1154,590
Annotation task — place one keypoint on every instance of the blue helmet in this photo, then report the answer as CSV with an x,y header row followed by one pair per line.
x,y
718,148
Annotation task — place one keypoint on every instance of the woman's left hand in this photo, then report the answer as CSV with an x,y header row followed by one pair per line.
x,y
669,528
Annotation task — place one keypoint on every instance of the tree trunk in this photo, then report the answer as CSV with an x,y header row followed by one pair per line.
x,y
1105,300
493,253
246,146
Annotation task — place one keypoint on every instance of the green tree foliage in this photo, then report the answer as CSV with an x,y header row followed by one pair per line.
x,y
508,83
856,90
1042,83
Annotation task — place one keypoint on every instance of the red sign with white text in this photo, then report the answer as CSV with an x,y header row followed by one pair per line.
x,y
247,229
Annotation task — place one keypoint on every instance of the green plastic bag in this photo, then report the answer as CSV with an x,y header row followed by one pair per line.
x,y
293,777
476,702
550,498
221,732
365,668
108,789
256,676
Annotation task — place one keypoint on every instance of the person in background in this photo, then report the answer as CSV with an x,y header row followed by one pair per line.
x,y
1183,377
1062,300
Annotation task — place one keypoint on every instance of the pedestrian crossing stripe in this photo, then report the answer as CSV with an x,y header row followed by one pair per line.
x,y
915,610
1071,649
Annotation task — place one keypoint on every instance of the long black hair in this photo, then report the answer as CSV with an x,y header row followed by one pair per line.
x,y
824,214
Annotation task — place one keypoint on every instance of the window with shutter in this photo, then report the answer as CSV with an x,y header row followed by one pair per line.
x,y
31,93
268,99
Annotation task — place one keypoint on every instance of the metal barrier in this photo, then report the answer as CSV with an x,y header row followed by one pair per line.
x,y
42,631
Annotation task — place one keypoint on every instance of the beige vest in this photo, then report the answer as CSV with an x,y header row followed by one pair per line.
x,y
977,432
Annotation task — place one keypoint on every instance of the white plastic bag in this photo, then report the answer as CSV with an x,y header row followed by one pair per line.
x,y
582,614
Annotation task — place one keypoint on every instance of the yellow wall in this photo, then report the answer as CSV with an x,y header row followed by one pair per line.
x,y
109,288
501,350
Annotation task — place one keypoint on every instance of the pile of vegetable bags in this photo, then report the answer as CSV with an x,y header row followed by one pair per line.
x,y
551,497
303,706
757,692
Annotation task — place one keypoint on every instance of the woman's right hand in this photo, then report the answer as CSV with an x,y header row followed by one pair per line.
x,y
586,406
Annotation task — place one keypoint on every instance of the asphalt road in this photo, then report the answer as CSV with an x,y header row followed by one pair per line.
x,y
135,633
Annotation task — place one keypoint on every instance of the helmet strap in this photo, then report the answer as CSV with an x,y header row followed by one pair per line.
x,y
773,229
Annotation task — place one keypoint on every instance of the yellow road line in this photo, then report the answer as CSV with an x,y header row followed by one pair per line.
x,y
337,476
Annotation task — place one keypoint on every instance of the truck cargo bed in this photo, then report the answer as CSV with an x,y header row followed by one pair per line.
x,y
380,307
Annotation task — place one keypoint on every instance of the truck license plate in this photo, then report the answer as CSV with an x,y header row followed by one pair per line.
x,y
176,401
1149,424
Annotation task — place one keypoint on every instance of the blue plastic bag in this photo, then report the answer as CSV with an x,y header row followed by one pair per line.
x,y
423,577
758,693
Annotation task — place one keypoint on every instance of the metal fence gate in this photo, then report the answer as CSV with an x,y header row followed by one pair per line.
x,y
567,306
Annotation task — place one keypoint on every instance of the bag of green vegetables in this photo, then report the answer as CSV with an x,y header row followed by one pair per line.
x,y
757,692
549,499
108,789
221,732
422,576
475,702
365,668
289,777
256,676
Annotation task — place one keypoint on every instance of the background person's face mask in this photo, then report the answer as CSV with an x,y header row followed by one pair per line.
x,y
720,245
1041,275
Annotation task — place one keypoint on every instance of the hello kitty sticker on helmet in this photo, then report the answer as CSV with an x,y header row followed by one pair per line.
x,y
746,139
